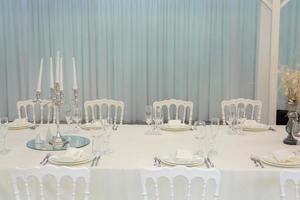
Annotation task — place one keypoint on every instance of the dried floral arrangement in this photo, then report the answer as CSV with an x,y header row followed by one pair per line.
x,y
290,80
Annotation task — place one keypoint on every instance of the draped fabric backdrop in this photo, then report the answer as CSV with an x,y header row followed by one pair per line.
x,y
289,51
137,51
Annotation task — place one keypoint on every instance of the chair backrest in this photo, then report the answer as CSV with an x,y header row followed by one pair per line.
x,y
94,107
185,105
189,173
26,105
294,177
39,173
251,107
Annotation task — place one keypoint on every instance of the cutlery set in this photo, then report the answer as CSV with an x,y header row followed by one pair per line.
x,y
257,161
208,162
45,159
157,162
95,161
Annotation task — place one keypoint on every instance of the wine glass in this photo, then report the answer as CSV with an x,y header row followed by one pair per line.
x,y
215,121
3,134
200,135
68,114
158,119
76,117
148,117
212,133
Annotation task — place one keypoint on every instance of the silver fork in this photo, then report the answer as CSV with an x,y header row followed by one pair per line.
x,y
210,162
259,162
254,160
44,159
206,163
93,161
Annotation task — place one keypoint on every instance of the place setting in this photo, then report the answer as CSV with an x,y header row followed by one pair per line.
x,y
282,158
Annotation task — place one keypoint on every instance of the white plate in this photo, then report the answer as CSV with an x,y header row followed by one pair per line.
x,y
61,160
172,161
182,127
270,160
18,126
255,129
89,126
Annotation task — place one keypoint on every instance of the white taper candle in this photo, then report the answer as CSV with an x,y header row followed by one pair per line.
x,y
51,74
57,68
39,83
61,74
75,85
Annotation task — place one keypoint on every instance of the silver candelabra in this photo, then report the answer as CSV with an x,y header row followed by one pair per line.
x,y
57,97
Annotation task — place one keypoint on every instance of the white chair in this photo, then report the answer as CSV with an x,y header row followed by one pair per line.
x,y
94,108
189,173
251,107
185,105
26,105
39,173
294,177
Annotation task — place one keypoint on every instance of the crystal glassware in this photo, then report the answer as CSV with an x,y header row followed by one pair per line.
x,y
148,118
212,133
158,120
200,135
68,114
3,134
77,117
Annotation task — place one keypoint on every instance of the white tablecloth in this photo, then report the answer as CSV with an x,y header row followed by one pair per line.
x,y
117,175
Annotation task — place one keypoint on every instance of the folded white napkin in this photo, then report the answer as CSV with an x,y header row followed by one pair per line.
x,y
19,122
73,153
285,156
175,123
253,124
184,155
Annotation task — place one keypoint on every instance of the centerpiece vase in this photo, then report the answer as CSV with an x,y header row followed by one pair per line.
x,y
292,126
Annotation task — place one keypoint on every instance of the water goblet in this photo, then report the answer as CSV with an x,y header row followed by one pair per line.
x,y
77,117
148,118
68,114
158,120
3,134
199,134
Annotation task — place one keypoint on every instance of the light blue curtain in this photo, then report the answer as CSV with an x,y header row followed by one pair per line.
x,y
289,51
137,51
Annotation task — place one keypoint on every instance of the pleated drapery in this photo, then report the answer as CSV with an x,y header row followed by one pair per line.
x,y
137,51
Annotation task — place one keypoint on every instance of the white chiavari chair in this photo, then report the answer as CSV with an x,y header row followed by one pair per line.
x,y
40,173
185,105
294,177
94,110
252,108
25,106
189,174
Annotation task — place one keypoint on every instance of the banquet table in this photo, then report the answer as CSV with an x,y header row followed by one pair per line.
x,y
117,175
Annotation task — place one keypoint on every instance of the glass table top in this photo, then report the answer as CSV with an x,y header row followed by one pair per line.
x,y
73,141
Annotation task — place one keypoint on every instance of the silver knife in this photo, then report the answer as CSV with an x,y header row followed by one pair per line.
x,y
206,162
98,158
44,159
211,163
93,162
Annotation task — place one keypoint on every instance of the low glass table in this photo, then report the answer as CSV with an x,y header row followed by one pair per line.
x,y
72,141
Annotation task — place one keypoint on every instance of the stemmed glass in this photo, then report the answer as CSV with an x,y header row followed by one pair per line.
x,y
3,134
107,125
68,114
213,131
148,117
200,135
158,120
77,117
